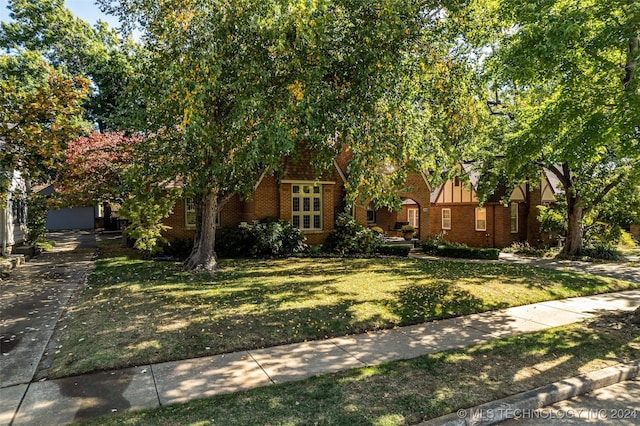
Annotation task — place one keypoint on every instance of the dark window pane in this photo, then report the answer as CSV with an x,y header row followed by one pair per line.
x,y
371,216
316,221
306,204
316,204
306,222
296,204
296,221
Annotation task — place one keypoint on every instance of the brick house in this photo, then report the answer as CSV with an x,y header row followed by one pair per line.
x,y
458,216
309,203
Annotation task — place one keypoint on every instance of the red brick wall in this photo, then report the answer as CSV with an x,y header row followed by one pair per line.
x,y
233,212
266,199
176,222
463,225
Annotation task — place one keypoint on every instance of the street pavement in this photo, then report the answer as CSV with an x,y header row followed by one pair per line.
x,y
34,295
618,405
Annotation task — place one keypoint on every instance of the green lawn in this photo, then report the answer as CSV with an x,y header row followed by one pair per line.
x,y
407,392
137,311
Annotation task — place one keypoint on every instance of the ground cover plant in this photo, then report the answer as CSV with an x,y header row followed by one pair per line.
x,y
137,311
407,392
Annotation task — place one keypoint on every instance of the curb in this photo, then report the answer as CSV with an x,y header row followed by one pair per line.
x,y
510,407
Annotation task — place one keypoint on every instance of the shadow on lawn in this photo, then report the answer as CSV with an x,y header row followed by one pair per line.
x,y
141,311
410,391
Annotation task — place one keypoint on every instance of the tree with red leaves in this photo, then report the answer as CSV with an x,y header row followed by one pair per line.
x,y
95,166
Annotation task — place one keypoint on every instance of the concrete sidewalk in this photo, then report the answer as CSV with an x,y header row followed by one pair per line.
x,y
148,386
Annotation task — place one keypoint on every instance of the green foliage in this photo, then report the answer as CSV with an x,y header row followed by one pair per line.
x,y
41,112
74,48
274,237
36,218
351,237
460,251
178,248
229,88
566,76
526,249
626,240
394,250
553,219
620,208
145,211
267,237
431,244
601,251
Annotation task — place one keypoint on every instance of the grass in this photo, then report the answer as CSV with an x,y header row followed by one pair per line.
x,y
407,392
138,311
45,244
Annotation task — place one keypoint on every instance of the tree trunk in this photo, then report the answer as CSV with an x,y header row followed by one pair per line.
x,y
203,256
575,229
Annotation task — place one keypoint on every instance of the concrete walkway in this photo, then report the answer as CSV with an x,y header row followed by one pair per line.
x,y
27,402
605,269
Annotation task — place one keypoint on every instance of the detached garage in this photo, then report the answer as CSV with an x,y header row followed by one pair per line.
x,y
69,217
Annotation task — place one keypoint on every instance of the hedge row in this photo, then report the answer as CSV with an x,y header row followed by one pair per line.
x,y
394,250
462,252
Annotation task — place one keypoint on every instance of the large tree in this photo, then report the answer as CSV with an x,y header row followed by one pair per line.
x,y
40,112
231,87
74,48
566,75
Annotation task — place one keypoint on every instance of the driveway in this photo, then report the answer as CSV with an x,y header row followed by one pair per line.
x,y
32,299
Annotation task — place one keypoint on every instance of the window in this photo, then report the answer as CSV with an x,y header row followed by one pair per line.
x,y
514,217
412,216
190,214
19,211
306,207
481,219
371,214
446,218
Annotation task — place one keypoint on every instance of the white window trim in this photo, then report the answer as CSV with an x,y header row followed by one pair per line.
x,y
479,227
514,219
187,210
446,221
415,223
371,209
311,213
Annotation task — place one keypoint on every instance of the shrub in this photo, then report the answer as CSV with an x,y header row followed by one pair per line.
x,y
378,230
233,241
430,245
469,252
36,218
351,237
601,252
626,240
394,250
179,248
461,251
407,229
275,237
270,237
526,249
